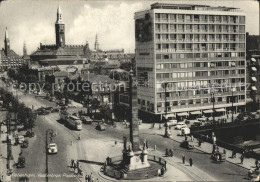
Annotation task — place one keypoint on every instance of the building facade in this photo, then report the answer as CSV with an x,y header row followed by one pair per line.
x,y
195,50
8,58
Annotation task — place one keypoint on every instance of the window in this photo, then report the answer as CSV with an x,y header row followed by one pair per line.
x,y
157,16
158,56
164,16
172,17
173,36
196,17
164,26
172,27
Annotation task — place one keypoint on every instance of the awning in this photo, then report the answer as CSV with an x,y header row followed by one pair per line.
x,y
253,88
170,115
221,110
208,111
183,114
195,112
253,68
254,79
253,59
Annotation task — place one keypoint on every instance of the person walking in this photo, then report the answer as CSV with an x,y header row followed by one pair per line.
x,y
146,142
71,163
154,147
160,126
224,151
183,159
191,137
242,159
256,163
191,162
166,152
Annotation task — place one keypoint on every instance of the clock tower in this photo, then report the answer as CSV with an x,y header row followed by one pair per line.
x,y
7,43
60,29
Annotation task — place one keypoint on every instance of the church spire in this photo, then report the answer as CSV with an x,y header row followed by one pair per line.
x,y
6,34
7,43
59,16
24,49
96,43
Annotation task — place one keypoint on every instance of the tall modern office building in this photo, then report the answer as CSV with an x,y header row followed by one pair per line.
x,y
196,50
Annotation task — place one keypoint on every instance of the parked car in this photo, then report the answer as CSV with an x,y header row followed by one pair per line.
x,y
180,125
55,110
101,127
29,134
218,157
172,121
52,148
25,144
86,119
21,161
187,144
20,139
52,99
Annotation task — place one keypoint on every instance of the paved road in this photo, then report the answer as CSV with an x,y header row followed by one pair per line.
x,y
58,163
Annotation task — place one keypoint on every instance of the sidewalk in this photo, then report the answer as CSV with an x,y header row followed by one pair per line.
x,y
248,163
3,161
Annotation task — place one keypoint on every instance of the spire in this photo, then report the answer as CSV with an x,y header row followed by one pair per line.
x,y
24,49
96,43
59,16
6,34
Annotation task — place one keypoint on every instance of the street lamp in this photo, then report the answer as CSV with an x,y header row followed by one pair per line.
x,y
46,146
232,100
213,105
166,125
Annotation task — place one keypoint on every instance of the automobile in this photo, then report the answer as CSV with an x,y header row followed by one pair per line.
x,y
55,110
101,127
187,144
25,144
180,125
29,134
172,121
48,109
218,157
52,148
21,161
20,139
35,92
75,114
52,99
86,119
198,123
24,179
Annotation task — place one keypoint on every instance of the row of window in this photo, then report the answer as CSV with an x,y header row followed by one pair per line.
x,y
203,46
200,74
200,55
201,18
200,37
200,64
195,27
199,101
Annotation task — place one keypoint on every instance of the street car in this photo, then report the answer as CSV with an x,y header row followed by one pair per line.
x,y
180,125
52,148
21,161
187,144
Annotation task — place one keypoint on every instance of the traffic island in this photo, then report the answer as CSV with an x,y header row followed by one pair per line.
x,y
113,168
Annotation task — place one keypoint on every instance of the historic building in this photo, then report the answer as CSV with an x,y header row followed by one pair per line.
x,y
63,54
8,58
198,52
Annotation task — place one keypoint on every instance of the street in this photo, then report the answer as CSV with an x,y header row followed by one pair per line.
x,y
57,164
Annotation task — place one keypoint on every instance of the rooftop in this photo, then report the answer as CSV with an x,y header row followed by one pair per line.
x,y
191,7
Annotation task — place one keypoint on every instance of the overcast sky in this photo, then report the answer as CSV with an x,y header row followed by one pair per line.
x,y
33,22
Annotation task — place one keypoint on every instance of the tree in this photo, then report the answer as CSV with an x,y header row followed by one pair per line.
x,y
106,111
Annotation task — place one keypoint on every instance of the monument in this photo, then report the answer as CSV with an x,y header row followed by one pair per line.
x,y
134,157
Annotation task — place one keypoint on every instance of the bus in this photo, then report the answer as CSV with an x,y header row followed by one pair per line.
x,y
75,122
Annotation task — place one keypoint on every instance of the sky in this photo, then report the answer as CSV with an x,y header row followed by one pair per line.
x,y
33,22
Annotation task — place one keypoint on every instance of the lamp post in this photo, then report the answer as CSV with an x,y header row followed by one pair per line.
x,y
9,145
46,146
166,125
213,105
232,107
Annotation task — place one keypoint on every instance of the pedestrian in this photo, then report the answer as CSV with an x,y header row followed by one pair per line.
x,y
183,159
192,138
186,138
160,126
224,151
191,162
171,152
86,177
242,158
71,142
154,147
71,163
166,152
97,180
256,163
146,144
199,142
